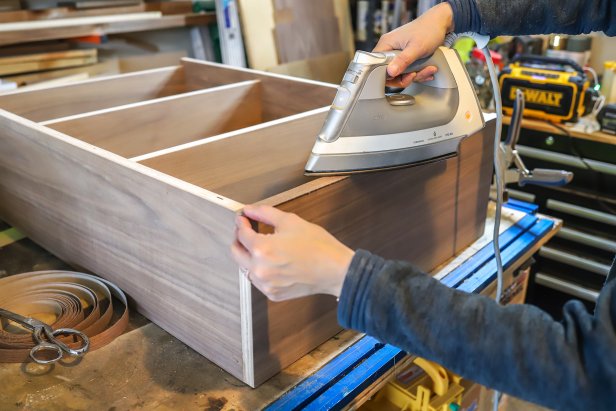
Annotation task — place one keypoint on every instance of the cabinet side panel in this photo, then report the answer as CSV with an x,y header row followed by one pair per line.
x,y
474,179
285,331
62,101
406,214
164,242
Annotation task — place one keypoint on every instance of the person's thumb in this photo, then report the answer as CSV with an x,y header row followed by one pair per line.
x,y
264,214
404,59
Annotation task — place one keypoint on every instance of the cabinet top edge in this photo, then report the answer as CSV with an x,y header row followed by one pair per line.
x,y
260,72
16,123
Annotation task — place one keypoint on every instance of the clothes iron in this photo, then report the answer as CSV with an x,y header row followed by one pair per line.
x,y
367,129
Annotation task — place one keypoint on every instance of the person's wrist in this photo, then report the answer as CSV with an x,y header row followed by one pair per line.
x,y
343,262
446,12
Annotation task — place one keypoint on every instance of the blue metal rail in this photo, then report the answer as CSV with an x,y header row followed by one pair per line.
x,y
528,208
338,382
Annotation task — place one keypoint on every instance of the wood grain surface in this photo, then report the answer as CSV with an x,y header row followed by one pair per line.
x,y
282,95
25,26
257,18
143,127
100,27
286,10
399,214
347,35
305,29
108,67
57,55
288,330
110,91
33,48
118,224
547,127
405,214
261,17
249,165
42,65
419,214
408,214
65,12
303,39
328,67
473,185
163,241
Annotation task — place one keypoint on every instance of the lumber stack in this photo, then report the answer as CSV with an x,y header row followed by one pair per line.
x,y
38,62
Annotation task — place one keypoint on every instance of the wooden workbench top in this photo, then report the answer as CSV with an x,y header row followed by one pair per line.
x,y
548,127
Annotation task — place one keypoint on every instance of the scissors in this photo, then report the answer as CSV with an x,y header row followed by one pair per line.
x,y
46,340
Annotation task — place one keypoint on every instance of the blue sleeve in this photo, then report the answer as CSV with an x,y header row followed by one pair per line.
x,y
518,17
517,349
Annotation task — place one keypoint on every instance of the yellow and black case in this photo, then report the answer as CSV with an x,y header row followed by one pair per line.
x,y
554,89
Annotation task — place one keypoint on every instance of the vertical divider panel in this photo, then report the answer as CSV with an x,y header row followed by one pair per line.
x,y
247,165
143,127
283,95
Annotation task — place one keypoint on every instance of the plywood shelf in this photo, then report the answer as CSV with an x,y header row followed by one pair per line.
x,y
30,31
66,12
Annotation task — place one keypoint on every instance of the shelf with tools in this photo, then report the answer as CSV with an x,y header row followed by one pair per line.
x,y
60,45
16,33
547,127
575,262
80,24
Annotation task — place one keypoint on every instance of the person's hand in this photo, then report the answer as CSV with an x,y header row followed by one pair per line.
x,y
417,39
299,259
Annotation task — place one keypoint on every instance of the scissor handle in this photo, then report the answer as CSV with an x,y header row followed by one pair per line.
x,y
45,347
85,341
46,335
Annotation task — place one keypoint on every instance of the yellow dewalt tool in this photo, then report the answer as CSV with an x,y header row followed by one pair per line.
x,y
554,89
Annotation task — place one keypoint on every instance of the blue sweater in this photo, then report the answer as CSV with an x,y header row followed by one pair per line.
x,y
520,350
515,17
517,349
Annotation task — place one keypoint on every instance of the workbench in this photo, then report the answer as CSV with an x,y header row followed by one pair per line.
x,y
148,368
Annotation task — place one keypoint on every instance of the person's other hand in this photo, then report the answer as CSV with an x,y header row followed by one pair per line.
x,y
417,39
299,259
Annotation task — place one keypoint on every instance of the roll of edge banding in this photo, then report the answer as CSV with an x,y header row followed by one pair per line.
x,y
73,300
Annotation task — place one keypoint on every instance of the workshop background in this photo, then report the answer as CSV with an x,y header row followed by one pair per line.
x,y
50,43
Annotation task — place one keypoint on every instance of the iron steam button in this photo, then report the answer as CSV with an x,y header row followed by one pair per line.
x,y
350,76
342,98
